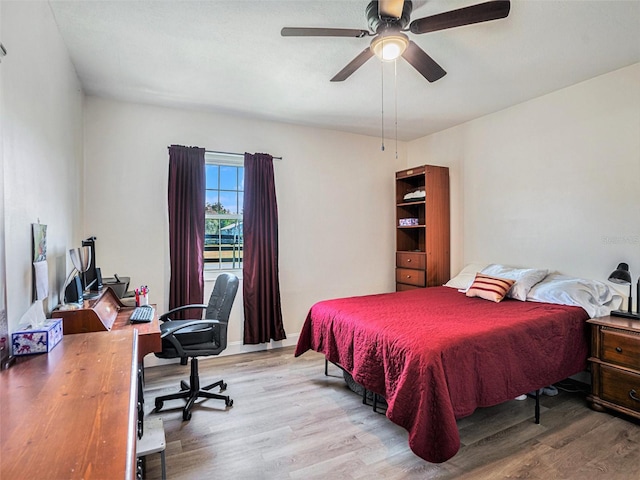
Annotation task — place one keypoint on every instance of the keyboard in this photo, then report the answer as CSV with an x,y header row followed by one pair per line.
x,y
141,315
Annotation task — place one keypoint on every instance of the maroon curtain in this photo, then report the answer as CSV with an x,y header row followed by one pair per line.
x,y
186,226
261,286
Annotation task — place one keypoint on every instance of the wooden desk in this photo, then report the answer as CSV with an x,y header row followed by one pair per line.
x,y
71,413
149,340
106,313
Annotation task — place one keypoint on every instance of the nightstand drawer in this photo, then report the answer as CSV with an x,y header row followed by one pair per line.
x,y
411,277
621,349
411,260
620,387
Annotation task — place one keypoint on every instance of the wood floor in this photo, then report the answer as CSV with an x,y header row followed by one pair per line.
x,y
290,421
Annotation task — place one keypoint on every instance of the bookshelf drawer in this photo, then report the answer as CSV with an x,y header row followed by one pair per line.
x,y
410,277
410,260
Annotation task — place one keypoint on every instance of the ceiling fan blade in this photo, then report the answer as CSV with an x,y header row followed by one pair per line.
x,y
353,65
323,32
390,8
482,12
423,63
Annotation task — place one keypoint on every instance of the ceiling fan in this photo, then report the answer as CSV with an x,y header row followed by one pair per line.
x,y
388,19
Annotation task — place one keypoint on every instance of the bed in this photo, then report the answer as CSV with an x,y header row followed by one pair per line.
x,y
436,354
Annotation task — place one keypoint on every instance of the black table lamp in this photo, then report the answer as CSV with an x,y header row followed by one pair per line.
x,y
622,276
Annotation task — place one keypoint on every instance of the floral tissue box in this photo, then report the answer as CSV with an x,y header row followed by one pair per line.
x,y
37,340
408,222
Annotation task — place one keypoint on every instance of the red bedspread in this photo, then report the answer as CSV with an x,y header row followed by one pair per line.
x,y
436,355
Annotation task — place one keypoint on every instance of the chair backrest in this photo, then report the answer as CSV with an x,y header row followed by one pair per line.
x,y
221,301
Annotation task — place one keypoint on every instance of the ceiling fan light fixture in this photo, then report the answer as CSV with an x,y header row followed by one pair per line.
x,y
389,47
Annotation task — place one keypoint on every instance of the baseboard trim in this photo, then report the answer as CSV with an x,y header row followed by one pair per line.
x,y
233,348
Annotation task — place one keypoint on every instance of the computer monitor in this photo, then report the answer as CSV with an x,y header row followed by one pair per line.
x,y
92,279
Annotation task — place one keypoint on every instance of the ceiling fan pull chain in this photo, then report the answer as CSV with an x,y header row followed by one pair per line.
x,y
395,93
382,104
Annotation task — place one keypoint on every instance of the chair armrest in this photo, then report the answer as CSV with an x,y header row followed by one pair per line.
x,y
176,328
165,316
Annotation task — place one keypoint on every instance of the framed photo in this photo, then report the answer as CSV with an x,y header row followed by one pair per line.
x,y
39,242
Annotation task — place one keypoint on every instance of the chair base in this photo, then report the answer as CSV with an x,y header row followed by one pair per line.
x,y
192,391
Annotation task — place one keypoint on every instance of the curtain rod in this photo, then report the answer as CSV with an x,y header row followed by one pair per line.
x,y
233,154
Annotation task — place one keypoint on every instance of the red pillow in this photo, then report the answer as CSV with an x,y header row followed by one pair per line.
x,y
489,288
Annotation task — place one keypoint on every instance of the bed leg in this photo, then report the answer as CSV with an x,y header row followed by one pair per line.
x,y
364,396
326,367
375,402
538,407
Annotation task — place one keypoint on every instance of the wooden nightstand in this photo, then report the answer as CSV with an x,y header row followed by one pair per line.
x,y
615,365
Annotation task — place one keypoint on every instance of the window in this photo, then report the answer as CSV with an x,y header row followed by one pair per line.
x,y
223,212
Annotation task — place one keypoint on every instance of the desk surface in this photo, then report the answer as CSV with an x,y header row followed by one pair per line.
x,y
71,413
149,340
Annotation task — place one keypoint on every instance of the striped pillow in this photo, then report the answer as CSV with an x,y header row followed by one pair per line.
x,y
489,288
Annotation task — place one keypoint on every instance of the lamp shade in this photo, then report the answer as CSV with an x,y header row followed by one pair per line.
x,y
621,275
81,258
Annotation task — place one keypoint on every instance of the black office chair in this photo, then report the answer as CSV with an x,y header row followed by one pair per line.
x,y
198,338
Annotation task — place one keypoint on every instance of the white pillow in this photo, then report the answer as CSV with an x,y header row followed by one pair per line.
x,y
525,278
595,297
465,278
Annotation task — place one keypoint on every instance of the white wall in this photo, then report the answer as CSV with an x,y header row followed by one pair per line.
x,y
41,149
553,182
4,327
445,150
335,201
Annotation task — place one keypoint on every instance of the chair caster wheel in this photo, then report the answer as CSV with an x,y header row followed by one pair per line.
x,y
223,387
159,405
186,416
229,403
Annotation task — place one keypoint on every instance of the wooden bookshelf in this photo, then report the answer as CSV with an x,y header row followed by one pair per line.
x,y
423,241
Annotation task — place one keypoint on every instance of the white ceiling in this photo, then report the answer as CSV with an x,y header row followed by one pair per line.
x,y
228,56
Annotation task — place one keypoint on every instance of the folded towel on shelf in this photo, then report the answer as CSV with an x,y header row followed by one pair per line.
x,y
416,195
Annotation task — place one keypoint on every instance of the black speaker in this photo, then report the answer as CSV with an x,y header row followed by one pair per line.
x,y
73,292
98,284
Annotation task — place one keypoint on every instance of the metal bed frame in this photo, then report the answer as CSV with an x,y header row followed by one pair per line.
x,y
376,398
